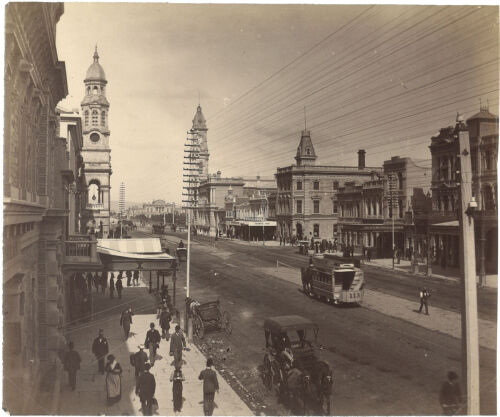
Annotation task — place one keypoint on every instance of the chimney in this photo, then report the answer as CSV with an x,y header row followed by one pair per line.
x,y
361,159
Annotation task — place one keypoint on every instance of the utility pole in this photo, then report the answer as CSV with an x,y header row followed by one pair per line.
x,y
392,192
190,178
470,337
173,213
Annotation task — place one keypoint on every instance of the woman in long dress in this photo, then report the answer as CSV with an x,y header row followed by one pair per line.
x,y
113,380
177,377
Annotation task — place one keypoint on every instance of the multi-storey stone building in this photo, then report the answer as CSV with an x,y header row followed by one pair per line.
x,y
306,200
370,210
36,179
96,150
443,221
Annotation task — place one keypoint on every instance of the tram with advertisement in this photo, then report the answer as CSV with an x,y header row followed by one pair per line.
x,y
333,280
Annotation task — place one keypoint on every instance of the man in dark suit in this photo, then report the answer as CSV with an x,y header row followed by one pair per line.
x,y
72,365
126,321
210,385
100,349
177,343
140,359
147,387
152,342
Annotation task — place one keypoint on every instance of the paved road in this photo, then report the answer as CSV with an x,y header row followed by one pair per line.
x,y
382,364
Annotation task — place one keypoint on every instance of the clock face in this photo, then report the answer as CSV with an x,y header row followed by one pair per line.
x,y
94,137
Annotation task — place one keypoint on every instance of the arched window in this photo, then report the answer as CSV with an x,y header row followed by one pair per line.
x,y
86,117
308,151
95,117
489,202
103,118
88,90
95,90
94,192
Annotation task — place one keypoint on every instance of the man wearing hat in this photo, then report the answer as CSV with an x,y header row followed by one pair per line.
x,y
177,343
140,359
100,349
147,388
125,321
152,342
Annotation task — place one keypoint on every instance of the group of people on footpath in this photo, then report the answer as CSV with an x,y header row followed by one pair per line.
x,y
101,281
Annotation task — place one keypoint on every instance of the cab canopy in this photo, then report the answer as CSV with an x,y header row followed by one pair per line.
x,y
283,324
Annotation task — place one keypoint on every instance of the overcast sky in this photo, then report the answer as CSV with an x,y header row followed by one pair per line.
x,y
382,78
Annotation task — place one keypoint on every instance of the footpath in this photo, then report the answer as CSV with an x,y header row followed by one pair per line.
x,y
89,398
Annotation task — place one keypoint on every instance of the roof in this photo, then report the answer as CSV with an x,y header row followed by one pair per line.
x,y
453,223
95,71
305,150
199,122
137,246
285,323
483,114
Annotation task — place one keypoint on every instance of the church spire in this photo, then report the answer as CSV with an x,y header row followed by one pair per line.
x,y
305,152
96,55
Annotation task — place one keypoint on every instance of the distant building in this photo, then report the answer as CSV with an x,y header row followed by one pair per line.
x,y
96,150
121,204
156,207
365,210
306,201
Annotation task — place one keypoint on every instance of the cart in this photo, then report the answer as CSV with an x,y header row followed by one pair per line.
x,y
181,254
208,315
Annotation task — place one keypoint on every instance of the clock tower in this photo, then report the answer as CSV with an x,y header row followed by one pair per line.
x,y
96,152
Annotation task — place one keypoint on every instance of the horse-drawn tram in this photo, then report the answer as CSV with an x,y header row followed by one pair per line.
x,y
330,279
291,366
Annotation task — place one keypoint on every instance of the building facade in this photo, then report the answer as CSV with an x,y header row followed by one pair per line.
x,y
443,226
306,200
96,150
36,205
156,207
369,211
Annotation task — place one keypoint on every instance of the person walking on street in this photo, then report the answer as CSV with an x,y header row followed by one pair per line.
x,y
369,254
129,278
89,281
136,278
177,378
126,321
210,385
140,359
424,296
119,288
177,344
112,285
72,365
97,280
165,318
104,281
113,380
450,395
147,388
152,342
100,349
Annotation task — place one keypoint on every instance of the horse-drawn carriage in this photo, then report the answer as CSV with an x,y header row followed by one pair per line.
x,y
208,315
181,254
158,229
292,367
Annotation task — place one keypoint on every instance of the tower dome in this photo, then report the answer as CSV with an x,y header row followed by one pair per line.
x,y
95,71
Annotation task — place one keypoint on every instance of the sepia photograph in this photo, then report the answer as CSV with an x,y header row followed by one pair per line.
x,y
250,209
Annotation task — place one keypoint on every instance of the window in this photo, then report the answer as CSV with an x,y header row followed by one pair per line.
x,y
400,180
308,151
316,185
335,207
299,185
316,206
316,230
401,209
86,117
335,185
95,117
95,90
88,90
103,118
299,206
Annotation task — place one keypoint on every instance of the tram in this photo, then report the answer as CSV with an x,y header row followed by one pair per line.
x,y
336,282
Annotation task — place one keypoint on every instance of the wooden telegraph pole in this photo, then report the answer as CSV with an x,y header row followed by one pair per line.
x,y
470,338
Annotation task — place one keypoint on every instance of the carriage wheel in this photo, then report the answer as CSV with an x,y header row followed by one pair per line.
x,y
199,328
226,323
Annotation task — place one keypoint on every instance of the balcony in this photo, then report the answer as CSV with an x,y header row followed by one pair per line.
x,y
80,254
95,206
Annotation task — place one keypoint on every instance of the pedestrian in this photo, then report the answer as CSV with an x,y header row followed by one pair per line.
x,y
450,395
152,342
113,380
72,364
369,254
136,278
139,361
100,349
281,240
129,278
112,285
177,378
96,280
104,281
147,388
177,343
424,296
181,244
126,321
89,281
352,251
119,288
165,318
210,385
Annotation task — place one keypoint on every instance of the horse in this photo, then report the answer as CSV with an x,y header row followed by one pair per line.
x,y
323,380
296,385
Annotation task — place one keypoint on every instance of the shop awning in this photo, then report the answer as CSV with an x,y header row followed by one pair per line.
x,y
261,224
133,254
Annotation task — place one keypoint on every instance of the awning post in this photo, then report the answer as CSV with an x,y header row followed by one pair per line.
x,y
150,283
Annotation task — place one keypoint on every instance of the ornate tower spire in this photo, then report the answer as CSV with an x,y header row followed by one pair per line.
x,y
200,126
305,152
96,55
